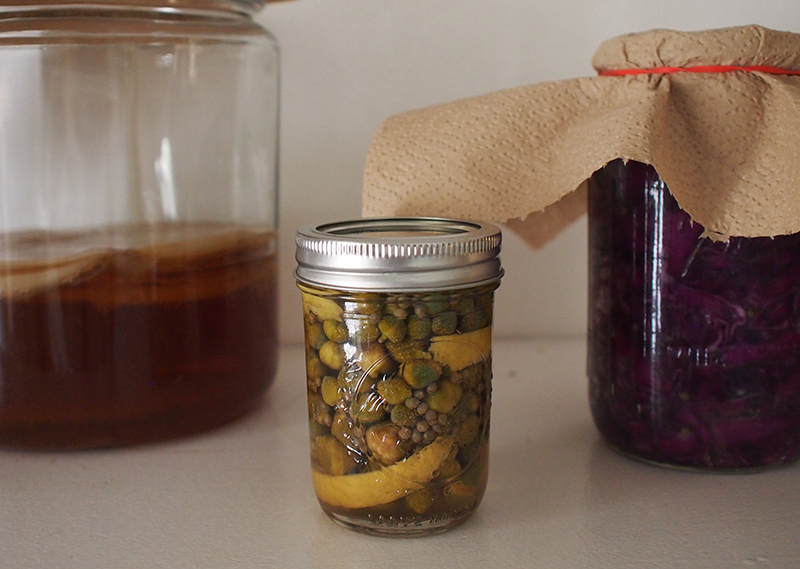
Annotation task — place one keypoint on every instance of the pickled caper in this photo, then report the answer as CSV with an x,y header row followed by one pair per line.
x,y
444,399
450,468
421,373
332,355
315,335
437,306
444,324
403,416
394,390
420,501
374,360
419,327
473,321
385,444
315,369
335,331
344,430
362,331
468,431
366,303
392,328
319,411
464,305
368,408
333,390
356,380
470,376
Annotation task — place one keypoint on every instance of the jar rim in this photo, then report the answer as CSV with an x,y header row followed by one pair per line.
x,y
249,7
399,254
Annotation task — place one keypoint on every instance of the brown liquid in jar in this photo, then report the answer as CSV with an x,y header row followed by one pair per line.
x,y
134,334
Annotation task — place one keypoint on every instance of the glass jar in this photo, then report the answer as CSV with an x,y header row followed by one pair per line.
x,y
138,147
694,344
398,326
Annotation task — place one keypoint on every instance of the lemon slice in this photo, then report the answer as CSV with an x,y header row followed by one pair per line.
x,y
458,351
385,485
324,308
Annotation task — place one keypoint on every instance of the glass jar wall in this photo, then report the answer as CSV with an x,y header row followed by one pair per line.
x,y
138,219
399,391
398,329
694,344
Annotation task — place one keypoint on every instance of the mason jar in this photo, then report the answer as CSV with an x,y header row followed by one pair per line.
x,y
138,219
694,343
398,328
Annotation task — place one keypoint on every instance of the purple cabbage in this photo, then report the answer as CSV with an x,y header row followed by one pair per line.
x,y
694,344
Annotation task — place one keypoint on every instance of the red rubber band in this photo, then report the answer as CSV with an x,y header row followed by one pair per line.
x,y
701,69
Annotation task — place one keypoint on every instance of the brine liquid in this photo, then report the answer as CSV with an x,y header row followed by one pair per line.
x,y
399,393
130,335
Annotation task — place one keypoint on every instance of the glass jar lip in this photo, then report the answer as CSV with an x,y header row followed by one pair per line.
x,y
399,254
249,7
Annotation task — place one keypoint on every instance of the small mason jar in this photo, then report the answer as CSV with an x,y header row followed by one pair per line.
x,y
138,219
694,344
398,327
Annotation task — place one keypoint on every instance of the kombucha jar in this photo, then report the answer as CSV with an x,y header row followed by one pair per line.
x,y
138,219
398,328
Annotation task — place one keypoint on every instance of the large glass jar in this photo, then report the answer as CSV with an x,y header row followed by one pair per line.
x,y
694,344
138,144
398,327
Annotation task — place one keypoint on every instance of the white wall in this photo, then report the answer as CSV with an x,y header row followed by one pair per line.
x,y
348,64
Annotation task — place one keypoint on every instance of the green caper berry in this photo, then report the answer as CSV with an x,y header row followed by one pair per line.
x,y
464,305
444,399
332,355
335,331
315,369
470,376
333,390
421,373
419,328
315,335
468,431
318,409
394,390
420,500
365,303
444,324
393,329
403,416
437,306
363,331
344,430
368,408
473,321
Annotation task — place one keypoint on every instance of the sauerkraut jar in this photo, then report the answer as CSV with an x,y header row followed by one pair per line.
x,y
694,343
398,328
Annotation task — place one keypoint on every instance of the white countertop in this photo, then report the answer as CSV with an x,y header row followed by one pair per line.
x,y
241,496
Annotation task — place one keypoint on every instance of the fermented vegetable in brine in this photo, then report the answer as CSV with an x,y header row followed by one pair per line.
x,y
399,396
694,344
131,334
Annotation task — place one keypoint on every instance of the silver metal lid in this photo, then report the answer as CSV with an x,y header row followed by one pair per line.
x,y
399,254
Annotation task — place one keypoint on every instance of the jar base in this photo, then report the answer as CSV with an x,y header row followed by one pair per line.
x,y
135,431
389,526
703,469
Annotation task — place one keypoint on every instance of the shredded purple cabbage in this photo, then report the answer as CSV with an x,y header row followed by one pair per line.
x,y
694,344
